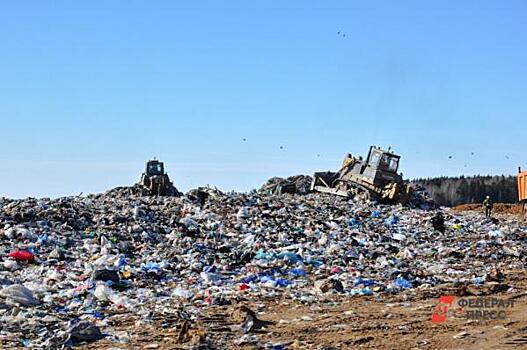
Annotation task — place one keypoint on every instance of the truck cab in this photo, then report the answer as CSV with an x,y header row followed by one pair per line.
x,y
522,190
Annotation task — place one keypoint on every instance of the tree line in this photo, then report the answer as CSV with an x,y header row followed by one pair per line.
x,y
450,191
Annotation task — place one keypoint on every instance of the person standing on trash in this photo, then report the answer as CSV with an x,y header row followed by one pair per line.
x,y
487,204
438,222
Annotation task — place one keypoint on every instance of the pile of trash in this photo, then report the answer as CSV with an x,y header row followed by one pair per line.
x,y
420,198
70,264
298,184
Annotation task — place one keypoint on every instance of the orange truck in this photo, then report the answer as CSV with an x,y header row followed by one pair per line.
x,y
522,190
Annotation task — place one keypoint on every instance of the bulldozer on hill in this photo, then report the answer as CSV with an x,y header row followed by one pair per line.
x,y
155,182
373,178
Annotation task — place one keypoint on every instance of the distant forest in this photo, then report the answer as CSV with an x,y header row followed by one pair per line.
x,y
449,191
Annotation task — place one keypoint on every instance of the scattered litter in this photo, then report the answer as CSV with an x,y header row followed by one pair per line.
x,y
83,262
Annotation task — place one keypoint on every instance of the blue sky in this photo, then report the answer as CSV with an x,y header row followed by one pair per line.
x,y
90,90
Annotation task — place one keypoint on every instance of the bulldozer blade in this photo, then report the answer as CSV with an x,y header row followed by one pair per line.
x,y
331,191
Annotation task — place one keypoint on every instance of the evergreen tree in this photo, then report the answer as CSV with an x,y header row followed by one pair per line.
x,y
472,189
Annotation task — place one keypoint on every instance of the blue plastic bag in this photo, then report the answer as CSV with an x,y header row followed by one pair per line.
x,y
402,282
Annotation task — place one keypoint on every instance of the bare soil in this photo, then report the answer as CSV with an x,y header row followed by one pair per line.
x,y
400,321
499,208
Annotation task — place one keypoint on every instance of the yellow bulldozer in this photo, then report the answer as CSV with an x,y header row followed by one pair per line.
x,y
373,178
155,182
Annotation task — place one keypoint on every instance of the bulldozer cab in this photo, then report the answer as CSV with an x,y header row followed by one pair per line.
x,y
382,160
379,167
154,167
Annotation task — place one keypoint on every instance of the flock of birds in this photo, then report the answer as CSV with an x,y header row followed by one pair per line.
x,y
339,33
343,35
281,147
449,157
472,153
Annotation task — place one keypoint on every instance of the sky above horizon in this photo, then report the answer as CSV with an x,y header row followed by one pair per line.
x,y
231,93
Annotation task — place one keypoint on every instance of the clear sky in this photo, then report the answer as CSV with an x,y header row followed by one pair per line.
x,y
89,90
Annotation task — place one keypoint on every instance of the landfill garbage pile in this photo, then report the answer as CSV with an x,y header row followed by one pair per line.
x,y
420,198
142,191
298,184
70,265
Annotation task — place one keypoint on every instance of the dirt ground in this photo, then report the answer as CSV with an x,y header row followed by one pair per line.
x,y
402,321
499,208
373,322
